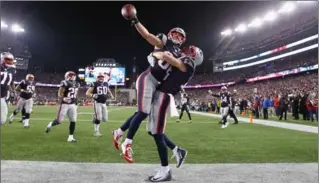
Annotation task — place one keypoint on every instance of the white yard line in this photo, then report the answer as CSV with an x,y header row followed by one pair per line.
x,y
291,126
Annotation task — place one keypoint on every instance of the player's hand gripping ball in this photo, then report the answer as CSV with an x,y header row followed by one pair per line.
x,y
128,11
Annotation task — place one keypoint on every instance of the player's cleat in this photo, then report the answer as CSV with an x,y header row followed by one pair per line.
x,y
11,118
225,125
26,126
180,156
116,139
48,128
177,121
127,152
71,140
161,176
97,134
190,121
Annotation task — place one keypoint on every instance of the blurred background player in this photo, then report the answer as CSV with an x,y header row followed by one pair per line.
x,y
226,104
27,89
231,112
185,106
180,75
68,92
149,80
8,72
99,90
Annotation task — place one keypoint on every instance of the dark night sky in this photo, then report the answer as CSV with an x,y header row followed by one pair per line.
x,y
74,34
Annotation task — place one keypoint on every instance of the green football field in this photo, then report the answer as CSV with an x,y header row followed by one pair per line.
x,y
204,139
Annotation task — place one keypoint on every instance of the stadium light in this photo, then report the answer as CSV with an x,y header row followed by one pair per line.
x,y
241,28
255,23
287,7
227,32
270,16
4,25
17,28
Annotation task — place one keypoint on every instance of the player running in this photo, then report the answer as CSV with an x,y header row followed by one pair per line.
x,y
149,80
27,89
68,94
163,97
185,106
98,91
226,104
8,72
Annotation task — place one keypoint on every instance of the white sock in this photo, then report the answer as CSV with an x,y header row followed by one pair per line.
x,y
128,141
175,150
50,125
165,168
97,127
70,136
26,122
119,131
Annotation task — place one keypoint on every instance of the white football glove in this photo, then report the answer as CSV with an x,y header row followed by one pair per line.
x,y
94,96
67,99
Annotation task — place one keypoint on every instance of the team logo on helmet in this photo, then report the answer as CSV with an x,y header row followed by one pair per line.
x,y
7,59
194,53
177,36
70,75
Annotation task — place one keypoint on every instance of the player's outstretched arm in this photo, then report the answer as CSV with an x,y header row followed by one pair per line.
x,y
166,56
149,37
109,91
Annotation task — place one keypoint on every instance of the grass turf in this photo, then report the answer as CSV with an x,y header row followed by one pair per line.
x,y
204,139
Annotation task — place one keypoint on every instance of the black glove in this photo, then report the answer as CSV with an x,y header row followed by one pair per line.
x,y
134,21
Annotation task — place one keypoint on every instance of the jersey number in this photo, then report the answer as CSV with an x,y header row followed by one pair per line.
x,y
72,92
30,88
4,76
101,90
165,66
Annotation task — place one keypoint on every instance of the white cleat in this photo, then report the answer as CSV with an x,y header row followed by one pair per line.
x,y
71,140
161,176
97,134
225,125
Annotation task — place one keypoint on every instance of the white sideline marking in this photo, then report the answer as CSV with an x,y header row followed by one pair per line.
x,y
290,126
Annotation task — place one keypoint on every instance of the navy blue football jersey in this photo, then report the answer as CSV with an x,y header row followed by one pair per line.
x,y
177,78
29,89
71,90
101,89
225,99
6,79
160,69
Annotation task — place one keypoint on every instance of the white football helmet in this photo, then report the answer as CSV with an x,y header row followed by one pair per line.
x,y
195,54
70,75
100,77
177,39
29,77
7,59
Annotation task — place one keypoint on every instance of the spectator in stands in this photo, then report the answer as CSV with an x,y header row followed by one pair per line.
x,y
266,104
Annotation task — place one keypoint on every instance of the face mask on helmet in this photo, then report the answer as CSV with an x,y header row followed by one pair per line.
x,y
29,77
7,59
100,78
70,76
177,36
195,54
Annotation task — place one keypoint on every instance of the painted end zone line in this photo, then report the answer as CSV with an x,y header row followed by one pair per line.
x,y
291,126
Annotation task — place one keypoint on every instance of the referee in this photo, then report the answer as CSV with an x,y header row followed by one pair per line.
x,y
185,103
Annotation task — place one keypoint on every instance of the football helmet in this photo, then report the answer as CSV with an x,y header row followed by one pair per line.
x,y
70,75
29,77
100,77
7,59
195,54
224,88
179,38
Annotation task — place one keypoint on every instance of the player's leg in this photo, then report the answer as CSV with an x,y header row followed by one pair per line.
x,y
22,114
224,116
3,111
28,109
179,153
233,115
146,86
62,110
156,127
188,113
19,107
98,117
72,115
182,112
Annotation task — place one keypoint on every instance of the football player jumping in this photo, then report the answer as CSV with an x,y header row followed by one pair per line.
x,y
149,80
26,89
99,90
8,72
68,94
180,75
